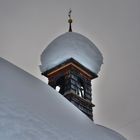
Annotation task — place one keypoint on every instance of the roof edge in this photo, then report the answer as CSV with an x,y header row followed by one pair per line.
x,y
71,60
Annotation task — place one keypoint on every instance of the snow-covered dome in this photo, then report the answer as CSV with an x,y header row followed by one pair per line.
x,y
71,45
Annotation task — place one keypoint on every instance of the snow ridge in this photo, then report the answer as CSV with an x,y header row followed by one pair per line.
x,y
32,110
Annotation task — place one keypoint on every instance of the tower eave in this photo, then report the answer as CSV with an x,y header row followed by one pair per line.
x,y
68,62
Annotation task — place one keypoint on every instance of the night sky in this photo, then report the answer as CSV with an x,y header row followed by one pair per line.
x,y
28,26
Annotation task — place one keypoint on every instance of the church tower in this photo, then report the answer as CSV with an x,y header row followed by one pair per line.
x,y
70,62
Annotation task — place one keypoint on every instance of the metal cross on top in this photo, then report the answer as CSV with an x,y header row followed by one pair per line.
x,y
70,20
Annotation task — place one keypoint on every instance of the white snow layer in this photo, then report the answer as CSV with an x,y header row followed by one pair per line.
x,y
32,110
71,45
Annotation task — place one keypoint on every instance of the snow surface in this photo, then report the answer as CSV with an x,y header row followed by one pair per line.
x,y
32,110
71,45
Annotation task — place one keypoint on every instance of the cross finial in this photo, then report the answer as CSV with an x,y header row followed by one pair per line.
x,y
70,11
70,20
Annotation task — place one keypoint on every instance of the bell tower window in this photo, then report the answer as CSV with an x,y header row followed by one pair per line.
x,y
81,89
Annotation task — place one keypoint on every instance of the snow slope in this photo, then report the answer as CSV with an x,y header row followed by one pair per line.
x,y
31,110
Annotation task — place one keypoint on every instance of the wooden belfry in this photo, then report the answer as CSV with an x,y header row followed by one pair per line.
x,y
74,82
70,62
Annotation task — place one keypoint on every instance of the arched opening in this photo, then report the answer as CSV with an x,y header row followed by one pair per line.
x,y
81,88
60,85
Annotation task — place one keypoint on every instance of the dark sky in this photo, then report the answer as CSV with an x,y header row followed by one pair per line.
x,y
28,26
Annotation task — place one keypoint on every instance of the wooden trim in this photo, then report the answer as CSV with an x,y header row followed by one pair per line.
x,y
67,66
74,63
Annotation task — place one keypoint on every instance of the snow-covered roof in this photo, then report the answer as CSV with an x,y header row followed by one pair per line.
x,y
32,110
71,45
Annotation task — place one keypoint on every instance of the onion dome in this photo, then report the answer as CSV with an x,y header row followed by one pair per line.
x,y
71,45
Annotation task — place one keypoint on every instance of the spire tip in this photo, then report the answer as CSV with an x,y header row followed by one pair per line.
x,y
70,20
